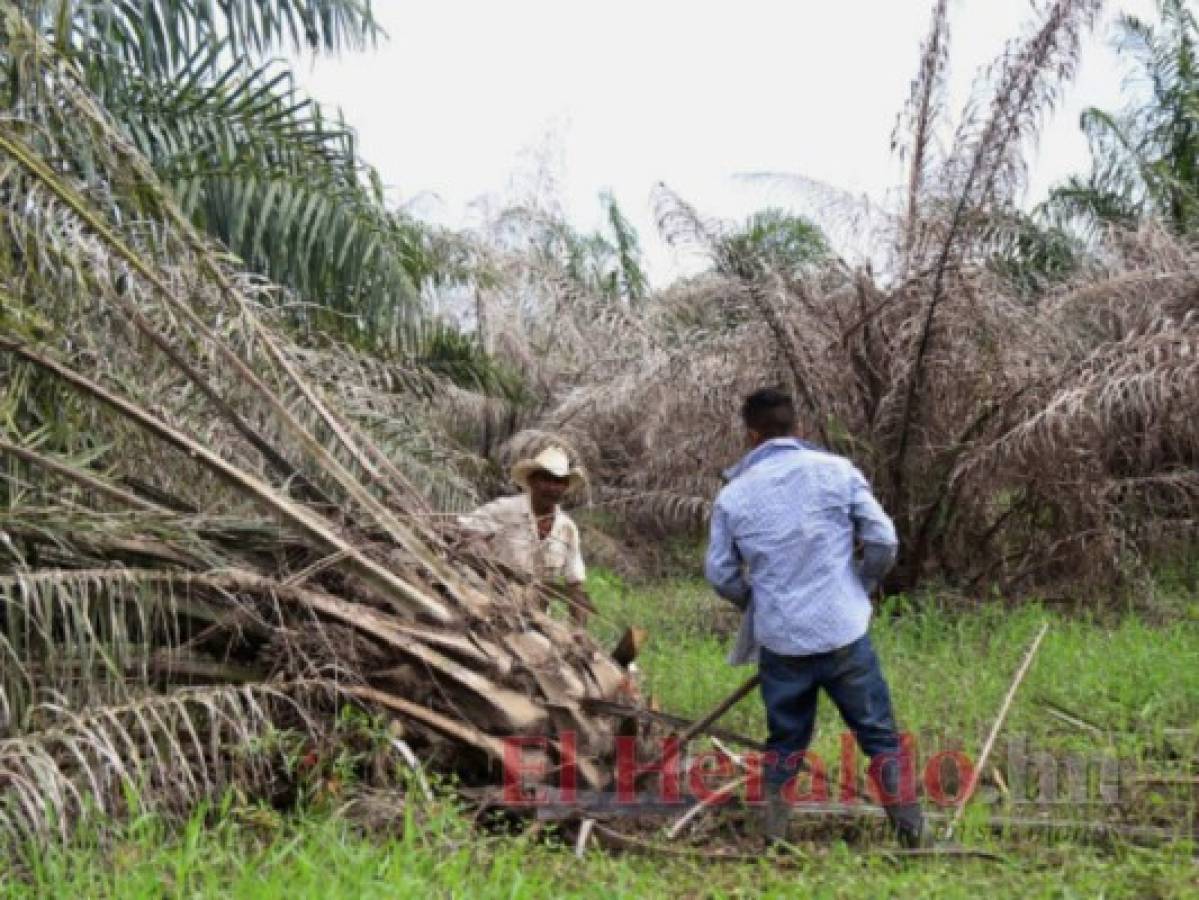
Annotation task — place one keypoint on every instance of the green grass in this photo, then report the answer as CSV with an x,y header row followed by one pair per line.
x,y
948,672
321,856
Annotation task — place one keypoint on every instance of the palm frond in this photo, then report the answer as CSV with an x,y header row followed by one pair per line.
x,y
188,746
144,369
917,124
158,37
1143,158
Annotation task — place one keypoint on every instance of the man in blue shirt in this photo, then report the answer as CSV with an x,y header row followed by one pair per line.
x,y
784,532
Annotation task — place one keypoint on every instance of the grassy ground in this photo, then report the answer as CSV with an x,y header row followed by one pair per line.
x,y
948,670
1138,685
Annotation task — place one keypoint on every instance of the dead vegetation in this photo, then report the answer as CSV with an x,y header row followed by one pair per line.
x,y
210,533
1037,442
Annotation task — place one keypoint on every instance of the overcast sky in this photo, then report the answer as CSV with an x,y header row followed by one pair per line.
x,y
465,95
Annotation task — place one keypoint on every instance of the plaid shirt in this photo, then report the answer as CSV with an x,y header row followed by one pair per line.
x,y
789,517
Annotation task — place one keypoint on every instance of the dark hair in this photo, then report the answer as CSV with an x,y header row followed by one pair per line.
x,y
769,412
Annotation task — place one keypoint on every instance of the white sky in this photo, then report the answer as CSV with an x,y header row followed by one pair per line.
x,y
467,94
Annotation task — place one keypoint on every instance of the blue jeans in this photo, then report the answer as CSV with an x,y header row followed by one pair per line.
x,y
853,679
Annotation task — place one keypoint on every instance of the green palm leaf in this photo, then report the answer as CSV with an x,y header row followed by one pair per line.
x,y
156,38
1145,160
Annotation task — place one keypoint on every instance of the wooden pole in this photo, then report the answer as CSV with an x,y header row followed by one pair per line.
x,y
725,705
998,724
713,799
707,721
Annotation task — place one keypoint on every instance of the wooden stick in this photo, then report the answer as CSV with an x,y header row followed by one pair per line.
x,y
707,721
612,708
711,800
1069,718
401,747
584,834
738,759
724,706
990,741
623,841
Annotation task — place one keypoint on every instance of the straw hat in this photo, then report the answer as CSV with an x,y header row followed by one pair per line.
x,y
552,460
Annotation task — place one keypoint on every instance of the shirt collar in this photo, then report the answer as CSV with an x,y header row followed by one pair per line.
x,y
533,516
765,450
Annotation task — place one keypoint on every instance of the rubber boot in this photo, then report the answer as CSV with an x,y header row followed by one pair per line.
x,y
906,817
908,821
775,816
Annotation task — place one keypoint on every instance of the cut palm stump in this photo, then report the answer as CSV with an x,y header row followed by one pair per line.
x,y
628,648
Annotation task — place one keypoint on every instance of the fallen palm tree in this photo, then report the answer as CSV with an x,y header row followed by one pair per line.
x,y
203,540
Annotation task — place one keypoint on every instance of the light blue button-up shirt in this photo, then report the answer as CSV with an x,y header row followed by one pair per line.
x,y
783,532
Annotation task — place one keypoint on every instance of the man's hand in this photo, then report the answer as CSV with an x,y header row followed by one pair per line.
x,y
467,539
877,560
581,606
576,599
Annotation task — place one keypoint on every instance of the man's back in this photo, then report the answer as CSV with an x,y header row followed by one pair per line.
x,y
791,514
784,532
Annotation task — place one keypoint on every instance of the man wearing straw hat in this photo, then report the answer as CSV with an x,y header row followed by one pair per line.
x,y
530,533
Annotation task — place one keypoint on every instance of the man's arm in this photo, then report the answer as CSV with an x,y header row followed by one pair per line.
x,y
485,520
722,565
574,575
473,532
874,528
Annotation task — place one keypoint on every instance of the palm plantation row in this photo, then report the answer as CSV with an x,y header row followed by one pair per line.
x,y
269,175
